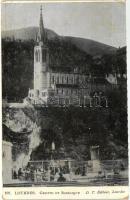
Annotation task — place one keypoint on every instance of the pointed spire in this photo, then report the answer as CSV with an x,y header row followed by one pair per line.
x,y
41,9
41,37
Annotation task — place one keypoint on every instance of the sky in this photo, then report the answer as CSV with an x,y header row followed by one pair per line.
x,y
103,22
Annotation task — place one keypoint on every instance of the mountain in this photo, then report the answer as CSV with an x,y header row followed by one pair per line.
x,y
91,47
26,33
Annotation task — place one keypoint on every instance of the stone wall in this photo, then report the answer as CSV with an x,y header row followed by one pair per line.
x,y
6,162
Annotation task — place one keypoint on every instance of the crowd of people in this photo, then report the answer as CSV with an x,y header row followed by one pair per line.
x,y
59,174
40,174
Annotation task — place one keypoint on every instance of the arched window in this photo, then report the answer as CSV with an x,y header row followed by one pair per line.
x,y
4,154
62,79
77,80
44,55
36,56
53,79
57,79
72,80
67,80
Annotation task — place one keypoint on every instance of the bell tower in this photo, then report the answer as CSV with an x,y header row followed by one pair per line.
x,y
41,58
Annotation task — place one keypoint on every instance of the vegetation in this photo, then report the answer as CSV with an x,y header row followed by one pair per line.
x,y
74,130
17,64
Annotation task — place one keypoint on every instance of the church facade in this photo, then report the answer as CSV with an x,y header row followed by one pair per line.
x,y
59,88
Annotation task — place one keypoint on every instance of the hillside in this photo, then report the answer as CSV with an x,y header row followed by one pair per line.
x,y
89,46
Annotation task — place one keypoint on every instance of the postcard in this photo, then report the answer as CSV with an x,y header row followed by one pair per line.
x,y
64,100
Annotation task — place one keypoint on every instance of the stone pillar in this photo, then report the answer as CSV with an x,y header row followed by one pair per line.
x,y
94,152
7,162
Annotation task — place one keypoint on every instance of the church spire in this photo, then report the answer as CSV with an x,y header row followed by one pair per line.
x,y
41,37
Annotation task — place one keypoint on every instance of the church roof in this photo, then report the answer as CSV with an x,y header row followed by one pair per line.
x,y
67,86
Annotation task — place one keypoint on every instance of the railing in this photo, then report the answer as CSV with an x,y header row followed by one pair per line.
x,y
41,171
76,101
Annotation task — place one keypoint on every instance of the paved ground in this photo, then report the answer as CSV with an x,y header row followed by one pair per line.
x,y
94,182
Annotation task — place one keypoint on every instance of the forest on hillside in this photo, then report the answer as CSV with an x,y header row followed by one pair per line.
x,y
17,64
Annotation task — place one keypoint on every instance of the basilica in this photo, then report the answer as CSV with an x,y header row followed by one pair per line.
x,y
60,88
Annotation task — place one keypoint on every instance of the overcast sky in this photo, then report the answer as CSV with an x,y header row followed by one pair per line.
x,y
103,22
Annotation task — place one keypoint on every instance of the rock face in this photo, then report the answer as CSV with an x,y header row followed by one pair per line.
x,y
17,120
24,133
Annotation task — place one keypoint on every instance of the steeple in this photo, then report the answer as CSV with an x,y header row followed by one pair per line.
x,y
41,37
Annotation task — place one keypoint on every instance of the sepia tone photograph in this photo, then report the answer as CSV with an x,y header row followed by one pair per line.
x,y
64,94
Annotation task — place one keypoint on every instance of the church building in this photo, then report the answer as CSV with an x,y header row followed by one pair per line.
x,y
60,88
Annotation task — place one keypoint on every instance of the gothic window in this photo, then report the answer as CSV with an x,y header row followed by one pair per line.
x,y
58,79
72,80
36,56
62,79
44,55
53,79
77,80
67,80
4,154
